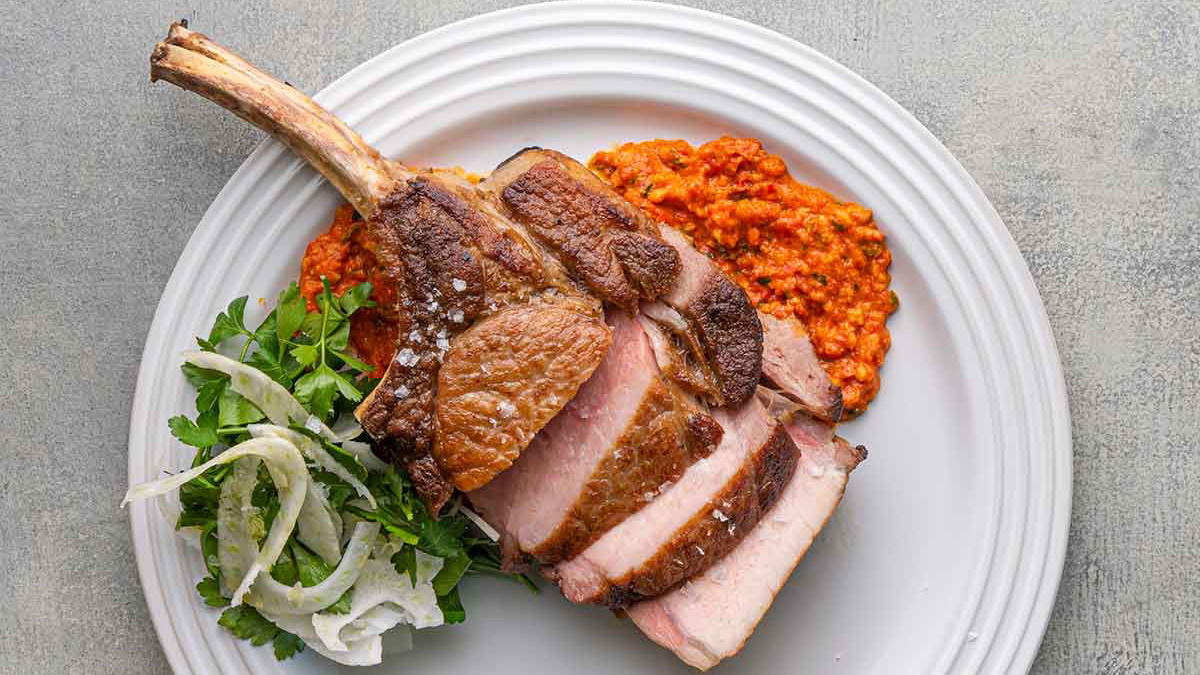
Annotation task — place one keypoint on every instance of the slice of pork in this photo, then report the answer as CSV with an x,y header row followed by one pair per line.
x,y
710,617
694,523
715,340
790,365
627,434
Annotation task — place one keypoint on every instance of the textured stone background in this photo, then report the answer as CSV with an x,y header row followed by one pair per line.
x,y
1080,119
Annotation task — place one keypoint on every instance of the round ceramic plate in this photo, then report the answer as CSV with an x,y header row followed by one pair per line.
x,y
944,556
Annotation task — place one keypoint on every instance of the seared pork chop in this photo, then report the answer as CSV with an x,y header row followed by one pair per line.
x,y
456,259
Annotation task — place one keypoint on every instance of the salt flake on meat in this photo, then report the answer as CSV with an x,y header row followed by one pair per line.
x,y
458,284
407,357
455,315
720,515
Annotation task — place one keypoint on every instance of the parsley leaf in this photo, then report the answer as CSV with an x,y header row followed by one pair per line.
x,y
405,562
356,298
228,324
290,313
312,570
452,571
189,433
208,548
209,393
233,410
198,377
451,606
286,645
316,390
210,589
285,570
443,538
245,622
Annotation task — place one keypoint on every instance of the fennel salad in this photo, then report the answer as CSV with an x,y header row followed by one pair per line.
x,y
308,539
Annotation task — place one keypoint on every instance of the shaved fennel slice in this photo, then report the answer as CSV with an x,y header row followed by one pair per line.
x,y
269,595
275,401
316,453
319,528
380,583
290,476
365,652
375,621
480,523
236,549
363,452
346,428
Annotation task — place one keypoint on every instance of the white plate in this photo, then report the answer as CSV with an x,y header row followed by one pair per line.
x,y
945,555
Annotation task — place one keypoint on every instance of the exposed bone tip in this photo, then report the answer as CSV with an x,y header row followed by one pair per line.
x,y
159,53
178,32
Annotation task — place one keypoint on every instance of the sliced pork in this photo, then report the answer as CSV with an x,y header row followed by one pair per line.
x,y
694,523
710,617
713,339
790,365
627,434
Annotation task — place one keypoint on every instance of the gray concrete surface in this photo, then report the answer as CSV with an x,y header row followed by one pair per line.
x,y
1080,119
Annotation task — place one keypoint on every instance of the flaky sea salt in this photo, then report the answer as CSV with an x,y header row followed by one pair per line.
x,y
506,409
407,357
455,315
415,336
443,344
402,392
720,515
459,285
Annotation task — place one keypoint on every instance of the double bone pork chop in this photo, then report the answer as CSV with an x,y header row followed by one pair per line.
x,y
544,317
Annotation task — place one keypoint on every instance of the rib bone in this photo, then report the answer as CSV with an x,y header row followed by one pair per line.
x,y
193,62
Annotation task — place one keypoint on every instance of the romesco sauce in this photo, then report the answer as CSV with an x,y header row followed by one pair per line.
x,y
795,249
344,255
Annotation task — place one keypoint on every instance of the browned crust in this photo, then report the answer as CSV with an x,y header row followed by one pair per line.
x,y
600,238
728,329
422,237
505,378
704,433
656,447
706,538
